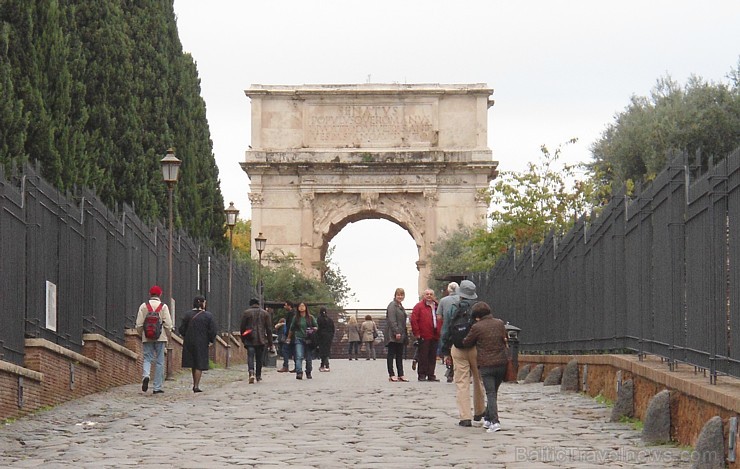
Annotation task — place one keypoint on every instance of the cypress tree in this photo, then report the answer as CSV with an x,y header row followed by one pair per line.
x,y
96,92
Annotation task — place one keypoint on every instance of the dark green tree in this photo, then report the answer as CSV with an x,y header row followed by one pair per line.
x,y
95,93
700,118
452,254
284,281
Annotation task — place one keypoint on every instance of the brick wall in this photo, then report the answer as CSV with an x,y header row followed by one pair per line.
x,y
13,377
52,374
119,364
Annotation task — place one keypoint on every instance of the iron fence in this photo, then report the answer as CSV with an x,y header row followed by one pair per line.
x,y
657,273
69,265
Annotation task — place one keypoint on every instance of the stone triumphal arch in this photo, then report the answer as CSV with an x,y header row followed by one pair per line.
x,y
323,156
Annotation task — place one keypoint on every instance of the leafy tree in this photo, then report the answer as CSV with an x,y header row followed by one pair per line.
x,y
242,239
548,196
453,253
336,281
284,281
700,117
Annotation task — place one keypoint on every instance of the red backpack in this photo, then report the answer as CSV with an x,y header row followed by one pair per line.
x,y
153,322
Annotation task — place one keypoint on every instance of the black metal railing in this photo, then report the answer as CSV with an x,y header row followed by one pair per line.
x,y
656,273
70,265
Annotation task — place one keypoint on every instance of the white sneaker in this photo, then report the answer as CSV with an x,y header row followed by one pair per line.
x,y
487,424
494,428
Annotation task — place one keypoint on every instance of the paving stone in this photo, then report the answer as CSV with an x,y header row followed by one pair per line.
x,y
350,417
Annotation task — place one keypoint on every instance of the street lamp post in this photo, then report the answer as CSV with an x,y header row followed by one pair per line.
x,y
170,171
259,243
231,214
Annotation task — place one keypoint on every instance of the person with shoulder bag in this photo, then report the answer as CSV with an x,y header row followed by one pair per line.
x,y
301,332
198,330
256,332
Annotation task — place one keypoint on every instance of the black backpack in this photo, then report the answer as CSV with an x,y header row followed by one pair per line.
x,y
461,322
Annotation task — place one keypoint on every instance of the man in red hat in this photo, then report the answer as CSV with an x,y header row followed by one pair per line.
x,y
155,344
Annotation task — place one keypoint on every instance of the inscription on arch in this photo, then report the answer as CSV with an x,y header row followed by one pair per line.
x,y
372,125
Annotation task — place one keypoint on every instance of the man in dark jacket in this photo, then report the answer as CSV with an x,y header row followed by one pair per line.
x,y
256,331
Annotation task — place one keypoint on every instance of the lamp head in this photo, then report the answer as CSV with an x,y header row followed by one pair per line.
x,y
260,242
231,214
170,167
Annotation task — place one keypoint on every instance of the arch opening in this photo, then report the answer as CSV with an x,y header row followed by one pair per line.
x,y
376,255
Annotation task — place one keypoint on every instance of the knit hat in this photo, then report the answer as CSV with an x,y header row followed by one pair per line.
x,y
467,290
155,291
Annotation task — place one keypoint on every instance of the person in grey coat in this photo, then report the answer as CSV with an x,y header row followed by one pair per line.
x,y
396,335
198,329
353,336
446,305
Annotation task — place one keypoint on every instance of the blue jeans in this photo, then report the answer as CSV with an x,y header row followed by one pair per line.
x,y
288,354
154,352
301,352
492,377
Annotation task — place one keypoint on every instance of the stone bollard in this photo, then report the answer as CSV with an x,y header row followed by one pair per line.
x,y
523,372
535,376
570,377
657,425
625,405
710,446
554,377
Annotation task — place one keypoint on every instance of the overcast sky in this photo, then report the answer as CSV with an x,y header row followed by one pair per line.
x,y
559,69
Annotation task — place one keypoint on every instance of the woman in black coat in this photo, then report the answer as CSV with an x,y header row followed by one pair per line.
x,y
198,329
326,337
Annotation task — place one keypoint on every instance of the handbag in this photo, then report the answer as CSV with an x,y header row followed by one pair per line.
x,y
310,339
511,372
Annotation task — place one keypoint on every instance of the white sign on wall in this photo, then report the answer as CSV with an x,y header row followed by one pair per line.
x,y
51,306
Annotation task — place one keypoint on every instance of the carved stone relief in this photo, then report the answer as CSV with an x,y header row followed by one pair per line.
x,y
256,198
